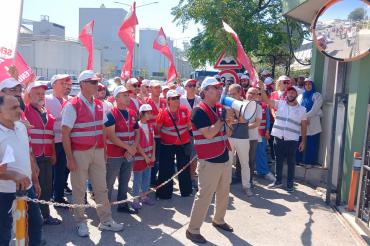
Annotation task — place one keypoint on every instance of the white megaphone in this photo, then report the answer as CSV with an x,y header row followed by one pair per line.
x,y
247,109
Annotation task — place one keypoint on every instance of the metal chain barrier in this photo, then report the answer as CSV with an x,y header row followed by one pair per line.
x,y
154,189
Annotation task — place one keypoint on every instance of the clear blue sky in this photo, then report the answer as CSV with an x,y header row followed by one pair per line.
x,y
65,12
341,9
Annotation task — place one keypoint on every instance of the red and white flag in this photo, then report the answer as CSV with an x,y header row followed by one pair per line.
x,y
127,34
25,73
86,38
160,44
9,26
241,56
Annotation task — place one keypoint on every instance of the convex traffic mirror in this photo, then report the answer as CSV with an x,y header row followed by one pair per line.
x,y
341,29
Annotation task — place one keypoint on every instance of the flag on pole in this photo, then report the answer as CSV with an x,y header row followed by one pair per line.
x,y
86,38
25,73
9,26
241,56
160,44
127,34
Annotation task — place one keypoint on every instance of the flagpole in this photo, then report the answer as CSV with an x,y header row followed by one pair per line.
x,y
19,29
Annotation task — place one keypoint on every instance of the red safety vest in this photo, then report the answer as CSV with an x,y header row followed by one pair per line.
x,y
87,131
140,164
210,148
162,104
132,105
168,132
124,130
41,135
262,127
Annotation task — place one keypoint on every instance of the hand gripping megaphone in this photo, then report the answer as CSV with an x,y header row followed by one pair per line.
x,y
247,109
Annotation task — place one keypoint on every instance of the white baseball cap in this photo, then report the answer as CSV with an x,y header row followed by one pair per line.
x,y
268,81
132,81
87,75
172,93
180,90
244,76
9,83
209,81
154,83
283,77
265,72
145,107
119,89
145,82
165,87
58,77
308,79
190,81
36,84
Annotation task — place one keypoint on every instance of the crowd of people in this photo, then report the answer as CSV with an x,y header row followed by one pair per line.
x,y
148,130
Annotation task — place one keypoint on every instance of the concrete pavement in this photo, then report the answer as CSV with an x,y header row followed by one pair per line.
x,y
271,217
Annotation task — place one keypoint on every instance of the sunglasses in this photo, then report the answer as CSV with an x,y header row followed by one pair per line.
x,y
92,82
136,85
286,82
255,94
191,86
175,98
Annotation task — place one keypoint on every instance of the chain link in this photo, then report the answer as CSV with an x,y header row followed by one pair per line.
x,y
57,204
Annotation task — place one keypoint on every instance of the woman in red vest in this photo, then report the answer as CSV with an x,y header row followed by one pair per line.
x,y
144,158
173,123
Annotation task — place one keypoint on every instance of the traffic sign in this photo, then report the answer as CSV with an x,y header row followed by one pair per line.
x,y
227,62
226,74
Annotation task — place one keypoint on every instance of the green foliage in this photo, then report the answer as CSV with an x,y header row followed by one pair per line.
x,y
259,24
357,14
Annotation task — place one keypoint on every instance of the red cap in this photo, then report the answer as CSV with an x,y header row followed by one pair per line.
x,y
291,88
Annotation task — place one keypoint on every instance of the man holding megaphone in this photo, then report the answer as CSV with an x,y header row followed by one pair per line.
x,y
290,123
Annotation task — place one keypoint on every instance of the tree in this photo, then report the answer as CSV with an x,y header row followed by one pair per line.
x,y
259,24
357,14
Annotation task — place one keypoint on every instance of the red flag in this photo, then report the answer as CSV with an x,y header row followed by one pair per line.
x,y
25,72
241,56
86,38
127,34
160,44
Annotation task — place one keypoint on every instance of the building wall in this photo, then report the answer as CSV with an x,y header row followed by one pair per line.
x,y
44,27
48,57
107,23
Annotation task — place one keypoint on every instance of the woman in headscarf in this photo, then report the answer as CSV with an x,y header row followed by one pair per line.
x,y
312,101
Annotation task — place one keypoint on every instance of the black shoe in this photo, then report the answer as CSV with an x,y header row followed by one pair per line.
x,y
196,238
128,209
290,189
52,221
224,226
67,191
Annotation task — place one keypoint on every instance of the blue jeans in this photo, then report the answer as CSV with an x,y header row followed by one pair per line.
x,y
262,167
59,172
6,219
141,181
153,178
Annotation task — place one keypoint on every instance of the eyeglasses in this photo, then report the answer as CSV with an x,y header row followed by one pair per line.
x,y
255,94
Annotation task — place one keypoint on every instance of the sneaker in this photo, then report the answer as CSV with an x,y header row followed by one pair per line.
x,y
275,185
67,191
52,221
110,225
248,192
148,201
136,205
82,229
270,177
290,190
127,208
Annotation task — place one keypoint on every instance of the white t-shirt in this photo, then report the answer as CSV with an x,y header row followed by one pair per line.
x,y
145,128
18,140
253,133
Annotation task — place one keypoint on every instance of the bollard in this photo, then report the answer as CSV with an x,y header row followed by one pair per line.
x,y
20,218
356,167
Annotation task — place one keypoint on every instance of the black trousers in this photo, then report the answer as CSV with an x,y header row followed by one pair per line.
x,y
285,149
167,169
46,183
59,172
